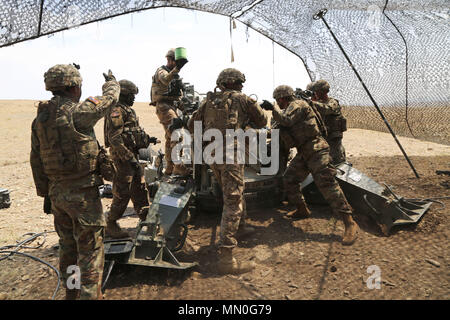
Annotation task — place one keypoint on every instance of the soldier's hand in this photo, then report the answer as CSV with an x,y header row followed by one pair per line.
x,y
109,76
176,123
180,63
154,140
47,205
266,105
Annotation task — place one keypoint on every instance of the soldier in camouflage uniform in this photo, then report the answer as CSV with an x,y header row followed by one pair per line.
x,y
230,109
63,159
331,113
125,137
165,106
299,127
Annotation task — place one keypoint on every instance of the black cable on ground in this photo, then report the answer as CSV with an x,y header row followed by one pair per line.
x,y
23,245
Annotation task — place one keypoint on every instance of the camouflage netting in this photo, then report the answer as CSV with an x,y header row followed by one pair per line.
x,y
399,47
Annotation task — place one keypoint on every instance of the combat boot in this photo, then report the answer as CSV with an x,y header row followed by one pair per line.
x,y
114,231
351,230
227,264
72,294
301,212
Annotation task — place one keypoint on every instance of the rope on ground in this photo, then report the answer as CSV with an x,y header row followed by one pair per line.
x,y
25,245
435,200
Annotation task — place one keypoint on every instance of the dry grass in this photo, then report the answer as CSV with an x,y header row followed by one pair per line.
x,y
426,123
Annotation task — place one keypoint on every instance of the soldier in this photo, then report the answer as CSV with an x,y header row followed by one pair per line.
x,y
165,105
125,137
331,113
299,123
63,159
230,109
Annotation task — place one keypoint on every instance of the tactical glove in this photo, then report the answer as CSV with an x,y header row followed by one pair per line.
x,y
153,140
109,76
47,205
266,105
176,123
180,63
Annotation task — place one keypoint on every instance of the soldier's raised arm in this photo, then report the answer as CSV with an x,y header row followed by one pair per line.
x,y
93,109
165,76
288,118
256,113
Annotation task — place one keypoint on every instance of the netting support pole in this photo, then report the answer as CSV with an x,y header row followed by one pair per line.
x,y
40,18
320,15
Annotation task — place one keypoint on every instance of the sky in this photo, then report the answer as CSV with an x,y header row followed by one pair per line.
x,y
133,46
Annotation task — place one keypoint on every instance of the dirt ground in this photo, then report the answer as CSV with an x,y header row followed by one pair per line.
x,y
295,259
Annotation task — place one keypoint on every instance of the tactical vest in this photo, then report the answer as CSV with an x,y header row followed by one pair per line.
x,y
133,136
65,152
225,110
335,123
320,122
158,90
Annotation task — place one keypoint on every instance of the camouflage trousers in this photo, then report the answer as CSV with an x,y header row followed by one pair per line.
x,y
231,179
313,157
79,222
337,151
126,185
166,113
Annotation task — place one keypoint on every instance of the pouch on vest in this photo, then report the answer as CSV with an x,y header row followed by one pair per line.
x,y
105,165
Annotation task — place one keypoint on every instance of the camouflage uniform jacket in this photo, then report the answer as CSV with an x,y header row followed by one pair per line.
x,y
331,113
298,123
160,84
229,109
63,142
123,133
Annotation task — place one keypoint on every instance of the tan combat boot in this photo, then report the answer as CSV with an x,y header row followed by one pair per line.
x,y
301,212
114,231
351,230
227,264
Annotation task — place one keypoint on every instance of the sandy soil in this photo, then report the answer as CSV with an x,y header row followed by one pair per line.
x,y
295,259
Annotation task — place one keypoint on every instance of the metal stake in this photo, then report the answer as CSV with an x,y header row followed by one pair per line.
x,y
320,15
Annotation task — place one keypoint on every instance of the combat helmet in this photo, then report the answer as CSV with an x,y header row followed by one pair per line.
x,y
320,85
282,92
128,87
230,75
171,54
61,76
310,86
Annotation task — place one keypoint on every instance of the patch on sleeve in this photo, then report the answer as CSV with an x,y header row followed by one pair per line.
x,y
94,100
